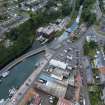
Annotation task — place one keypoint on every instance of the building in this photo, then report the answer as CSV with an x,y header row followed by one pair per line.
x,y
91,37
58,64
99,61
5,8
45,31
33,5
89,74
78,84
50,30
73,27
63,101
100,64
88,70
31,97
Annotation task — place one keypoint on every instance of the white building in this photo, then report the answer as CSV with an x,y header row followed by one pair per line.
x,y
58,64
90,38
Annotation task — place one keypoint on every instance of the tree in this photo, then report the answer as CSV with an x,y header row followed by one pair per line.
x,y
92,18
88,17
66,9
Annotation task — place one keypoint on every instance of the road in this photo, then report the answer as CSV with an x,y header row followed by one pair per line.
x,y
98,36
79,43
98,10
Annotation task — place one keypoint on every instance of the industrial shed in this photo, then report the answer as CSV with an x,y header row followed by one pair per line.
x,y
58,64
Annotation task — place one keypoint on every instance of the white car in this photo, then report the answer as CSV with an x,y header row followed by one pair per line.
x,y
51,99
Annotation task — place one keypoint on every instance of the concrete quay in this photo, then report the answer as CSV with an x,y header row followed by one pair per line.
x,y
29,82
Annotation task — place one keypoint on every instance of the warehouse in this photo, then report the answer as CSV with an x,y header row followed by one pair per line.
x,y
58,64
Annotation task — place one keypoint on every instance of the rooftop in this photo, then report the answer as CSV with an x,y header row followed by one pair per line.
x,y
58,64
63,101
100,62
102,70
32,97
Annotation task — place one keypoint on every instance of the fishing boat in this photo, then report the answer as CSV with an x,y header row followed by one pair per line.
x,y
12,92
5,74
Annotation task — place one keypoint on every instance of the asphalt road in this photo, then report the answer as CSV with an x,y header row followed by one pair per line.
x,y
79,43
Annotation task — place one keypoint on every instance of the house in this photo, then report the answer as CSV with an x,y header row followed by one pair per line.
x,y
91,37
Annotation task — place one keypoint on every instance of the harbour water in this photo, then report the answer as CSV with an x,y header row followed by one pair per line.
x,y
18,74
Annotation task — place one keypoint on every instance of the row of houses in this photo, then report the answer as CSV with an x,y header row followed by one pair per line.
x,y
100,64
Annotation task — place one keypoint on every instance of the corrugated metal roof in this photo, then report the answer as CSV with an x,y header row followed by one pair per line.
x,y
58,64
100,62
73,27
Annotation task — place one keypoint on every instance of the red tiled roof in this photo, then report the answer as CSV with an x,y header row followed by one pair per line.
x,y
63,101
78,77
37,100
102,70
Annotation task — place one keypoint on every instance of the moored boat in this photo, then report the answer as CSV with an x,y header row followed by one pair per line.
x,y
5,74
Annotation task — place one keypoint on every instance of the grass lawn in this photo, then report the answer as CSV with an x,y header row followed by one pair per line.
x,y
92,52
59,33
90,48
